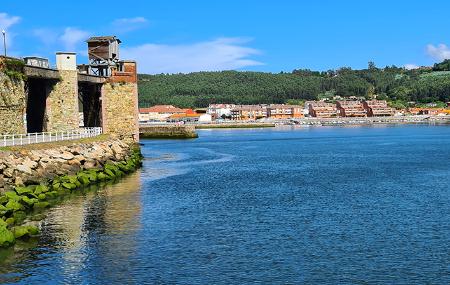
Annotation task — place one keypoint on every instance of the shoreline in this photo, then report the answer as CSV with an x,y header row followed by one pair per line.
x,y
22,205
420,119
168,130
245,125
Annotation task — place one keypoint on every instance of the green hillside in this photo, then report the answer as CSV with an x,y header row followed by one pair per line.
x,y
199,89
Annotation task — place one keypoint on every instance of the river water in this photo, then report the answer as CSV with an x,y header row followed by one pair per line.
x,y
318,205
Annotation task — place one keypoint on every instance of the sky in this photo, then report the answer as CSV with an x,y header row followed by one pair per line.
x,y
174,36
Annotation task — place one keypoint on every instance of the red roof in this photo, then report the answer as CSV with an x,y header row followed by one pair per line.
x,y
189,111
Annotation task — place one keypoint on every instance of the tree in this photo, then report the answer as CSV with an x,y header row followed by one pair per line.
x,y
371,65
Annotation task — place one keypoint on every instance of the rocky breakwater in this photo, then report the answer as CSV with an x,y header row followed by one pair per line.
x,y
33,180
167,132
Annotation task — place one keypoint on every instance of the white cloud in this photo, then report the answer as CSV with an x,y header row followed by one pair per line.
x,y
410,66
72,37
124,25
214,55
439,52
6,21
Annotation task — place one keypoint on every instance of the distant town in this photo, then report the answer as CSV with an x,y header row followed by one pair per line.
x,y
353,108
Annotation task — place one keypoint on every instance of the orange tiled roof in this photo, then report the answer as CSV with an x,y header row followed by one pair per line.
x,y
184,115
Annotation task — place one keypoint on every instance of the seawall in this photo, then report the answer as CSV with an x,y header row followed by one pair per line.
x,y
168,132
236,125
33,164
416,119
37,176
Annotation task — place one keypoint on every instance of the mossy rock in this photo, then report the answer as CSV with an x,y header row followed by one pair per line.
x,y
13,205
19,216
56,186
42,196
25,231
102,176
84,179
110,173
93,177
23,190
12,196
69,185
64,192
125,167
6,237
3,208
41,205
29,201
32,230
71,178
20,231
111,167
10,221
52,194
38,217
30,195
3,199
41,189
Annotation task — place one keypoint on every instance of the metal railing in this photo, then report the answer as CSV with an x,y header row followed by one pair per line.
x,y
23,139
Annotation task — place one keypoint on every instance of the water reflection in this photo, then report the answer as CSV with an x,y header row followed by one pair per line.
x,y
70,236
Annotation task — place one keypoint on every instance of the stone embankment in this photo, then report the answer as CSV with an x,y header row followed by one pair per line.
x,y
236,125
417,119
34,179
167,132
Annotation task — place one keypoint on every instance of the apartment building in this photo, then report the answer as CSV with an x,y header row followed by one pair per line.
x,y
350,109
378,108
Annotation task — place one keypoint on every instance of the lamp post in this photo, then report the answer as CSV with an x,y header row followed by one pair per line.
x,y
4,40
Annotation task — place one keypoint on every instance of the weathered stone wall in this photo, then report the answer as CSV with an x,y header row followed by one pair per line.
x,y
62,103
25,167
168,132
12,105
119,109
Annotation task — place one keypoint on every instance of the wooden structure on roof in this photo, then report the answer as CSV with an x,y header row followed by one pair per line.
x,y
103,53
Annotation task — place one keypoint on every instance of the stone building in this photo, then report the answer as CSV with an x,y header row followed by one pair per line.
x,y
34,98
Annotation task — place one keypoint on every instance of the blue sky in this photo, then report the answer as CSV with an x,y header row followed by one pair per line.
x,y
183,36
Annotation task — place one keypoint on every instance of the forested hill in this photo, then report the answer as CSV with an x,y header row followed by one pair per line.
x,y
199,89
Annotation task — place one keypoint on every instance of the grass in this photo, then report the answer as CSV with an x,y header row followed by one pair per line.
x,y
47,145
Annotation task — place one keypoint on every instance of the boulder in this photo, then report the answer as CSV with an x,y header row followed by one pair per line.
x,y
66,155
24,168
6,237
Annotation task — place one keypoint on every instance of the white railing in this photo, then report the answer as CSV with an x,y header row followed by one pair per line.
x,y
23,139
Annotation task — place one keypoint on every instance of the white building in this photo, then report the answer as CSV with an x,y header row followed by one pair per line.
x,y
205,118
220,110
